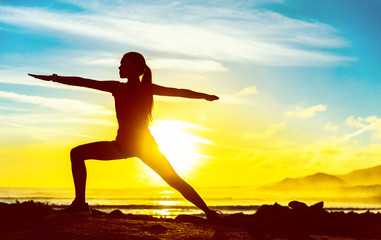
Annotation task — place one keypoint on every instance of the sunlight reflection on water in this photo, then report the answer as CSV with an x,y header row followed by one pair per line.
x,y
166,203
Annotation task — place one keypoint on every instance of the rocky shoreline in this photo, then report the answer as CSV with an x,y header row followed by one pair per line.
x,y
34,220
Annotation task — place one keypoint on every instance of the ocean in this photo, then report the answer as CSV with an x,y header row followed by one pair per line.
x,y
163,202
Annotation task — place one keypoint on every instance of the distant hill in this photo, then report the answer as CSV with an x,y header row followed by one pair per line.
x,y
316,181
362,185
363,177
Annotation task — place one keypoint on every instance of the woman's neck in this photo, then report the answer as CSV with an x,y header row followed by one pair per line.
x,y
133,81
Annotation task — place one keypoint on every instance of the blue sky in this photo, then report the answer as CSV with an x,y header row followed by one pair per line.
x,y
295,77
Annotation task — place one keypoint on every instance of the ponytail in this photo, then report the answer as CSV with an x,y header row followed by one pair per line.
x,y
147,79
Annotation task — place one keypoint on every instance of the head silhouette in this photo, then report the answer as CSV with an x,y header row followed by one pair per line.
x,y
132,65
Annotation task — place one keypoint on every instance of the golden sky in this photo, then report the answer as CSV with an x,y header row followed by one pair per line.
x,y
299,89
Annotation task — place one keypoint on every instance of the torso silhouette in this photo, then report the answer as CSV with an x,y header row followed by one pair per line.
x,y
132,106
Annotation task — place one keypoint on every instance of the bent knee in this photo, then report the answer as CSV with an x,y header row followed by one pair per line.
x,y
76,154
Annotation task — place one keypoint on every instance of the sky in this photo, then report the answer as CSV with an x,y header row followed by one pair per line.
x,y
298,81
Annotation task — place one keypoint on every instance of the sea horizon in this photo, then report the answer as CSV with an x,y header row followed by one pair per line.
x,y
166,203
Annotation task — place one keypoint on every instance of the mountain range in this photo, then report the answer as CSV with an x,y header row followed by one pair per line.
x,y
362,177
361,184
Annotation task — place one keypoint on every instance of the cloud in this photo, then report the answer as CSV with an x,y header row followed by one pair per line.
x,y
248,91
307,112
200,65
215,32
330,127
27,130
33,119
60,104
269,132
18,76
360,122
371,123
99,59
322,156
232,99
337,158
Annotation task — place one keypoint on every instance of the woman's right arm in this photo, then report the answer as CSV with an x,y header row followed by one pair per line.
x,y
77,81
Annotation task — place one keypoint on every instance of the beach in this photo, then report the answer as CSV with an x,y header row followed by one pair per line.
x,y
105,227
102,228
34,220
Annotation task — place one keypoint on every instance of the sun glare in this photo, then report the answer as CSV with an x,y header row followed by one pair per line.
x,y
177,144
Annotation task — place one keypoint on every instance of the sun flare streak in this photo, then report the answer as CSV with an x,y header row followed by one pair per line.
x,y
178,145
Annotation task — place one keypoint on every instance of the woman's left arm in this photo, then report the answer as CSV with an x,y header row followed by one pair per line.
x,y
185,93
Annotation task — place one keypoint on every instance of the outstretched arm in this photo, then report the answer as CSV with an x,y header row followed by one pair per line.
x,y
76,81
175,92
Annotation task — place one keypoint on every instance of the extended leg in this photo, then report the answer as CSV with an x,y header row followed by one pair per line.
x,y
159,163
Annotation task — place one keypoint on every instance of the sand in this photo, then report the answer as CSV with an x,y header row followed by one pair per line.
x,y
37,221
59,227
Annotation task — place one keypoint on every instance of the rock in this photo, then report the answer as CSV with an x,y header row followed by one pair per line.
x,y
95,212
267,211
317,206
116,214
300,221
296,205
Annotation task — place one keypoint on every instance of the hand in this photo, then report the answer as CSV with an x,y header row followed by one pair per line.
x,y
42,77
211,97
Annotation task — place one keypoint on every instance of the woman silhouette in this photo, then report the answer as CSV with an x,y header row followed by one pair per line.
x,y
133,105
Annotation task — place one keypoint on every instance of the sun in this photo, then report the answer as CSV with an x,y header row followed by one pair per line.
x,y
177,144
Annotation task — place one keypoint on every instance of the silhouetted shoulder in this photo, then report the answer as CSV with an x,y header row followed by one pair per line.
x,y
109,86
121,88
